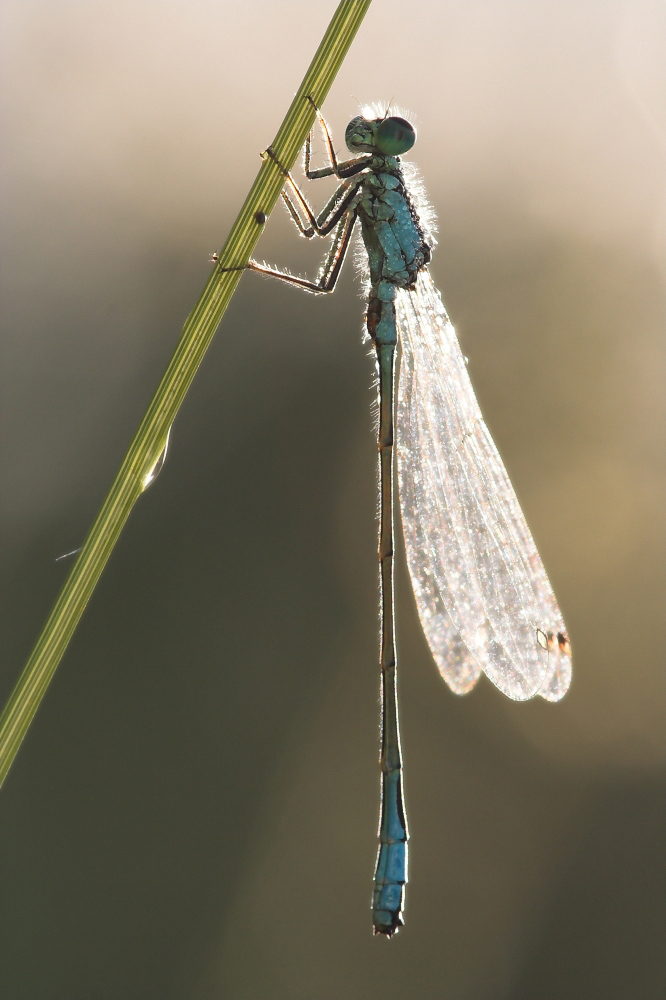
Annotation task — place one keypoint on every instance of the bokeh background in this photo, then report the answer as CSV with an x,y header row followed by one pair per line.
x,y
193,813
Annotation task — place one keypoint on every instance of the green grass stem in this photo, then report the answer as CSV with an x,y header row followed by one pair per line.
x,y
149,440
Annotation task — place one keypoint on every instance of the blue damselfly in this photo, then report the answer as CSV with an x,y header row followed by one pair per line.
x,y
482,593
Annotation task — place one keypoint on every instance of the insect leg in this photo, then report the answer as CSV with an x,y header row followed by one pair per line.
x,y
345,169
331,267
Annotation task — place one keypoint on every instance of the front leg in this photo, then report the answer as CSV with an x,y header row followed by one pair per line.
x,y
341,170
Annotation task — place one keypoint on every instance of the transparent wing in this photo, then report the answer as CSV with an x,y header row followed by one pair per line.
x,y
482,593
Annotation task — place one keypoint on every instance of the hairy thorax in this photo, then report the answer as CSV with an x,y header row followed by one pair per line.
x,y
392,233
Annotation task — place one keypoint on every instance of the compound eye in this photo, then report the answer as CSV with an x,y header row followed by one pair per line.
x,y
358,134
394,136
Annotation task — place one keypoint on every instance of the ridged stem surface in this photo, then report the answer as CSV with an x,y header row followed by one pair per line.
x,y
149,440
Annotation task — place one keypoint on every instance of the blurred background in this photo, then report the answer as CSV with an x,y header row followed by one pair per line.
x,y
193,813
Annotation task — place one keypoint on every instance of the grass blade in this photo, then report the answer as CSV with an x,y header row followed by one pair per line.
x,y
151,437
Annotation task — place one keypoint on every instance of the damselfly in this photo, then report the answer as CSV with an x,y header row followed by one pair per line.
x,y
482,593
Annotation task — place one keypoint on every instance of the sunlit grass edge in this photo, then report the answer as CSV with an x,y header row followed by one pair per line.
x,y
150,439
